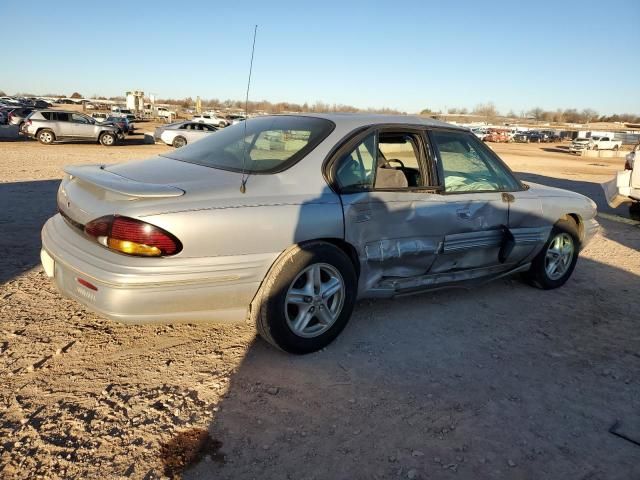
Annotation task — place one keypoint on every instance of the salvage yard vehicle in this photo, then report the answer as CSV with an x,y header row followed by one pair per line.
x,y
579,144
604,143
49,126
122,122
625,187
497,135
182,133
288,219
210,119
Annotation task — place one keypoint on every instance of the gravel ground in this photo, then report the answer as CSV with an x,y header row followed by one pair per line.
x,y
504,381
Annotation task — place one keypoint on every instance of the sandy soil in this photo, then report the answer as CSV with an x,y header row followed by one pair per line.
x,y
504,381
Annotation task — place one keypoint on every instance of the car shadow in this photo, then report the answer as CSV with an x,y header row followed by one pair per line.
x,y
557,149
447,382
27,206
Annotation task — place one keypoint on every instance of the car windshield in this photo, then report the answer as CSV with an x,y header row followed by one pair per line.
x,y
267,144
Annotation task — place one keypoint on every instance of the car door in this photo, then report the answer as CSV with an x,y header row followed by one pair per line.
x,y
63,126
81,126
392,214
494,222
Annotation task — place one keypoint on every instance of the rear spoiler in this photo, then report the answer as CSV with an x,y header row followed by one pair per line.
x,y
97,175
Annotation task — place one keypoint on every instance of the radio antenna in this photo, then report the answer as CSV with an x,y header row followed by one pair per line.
x,y
243,182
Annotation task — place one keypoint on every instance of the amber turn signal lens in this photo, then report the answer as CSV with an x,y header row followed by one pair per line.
x,y
133,248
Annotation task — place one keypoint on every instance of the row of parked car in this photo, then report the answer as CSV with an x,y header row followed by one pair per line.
x,y
512,135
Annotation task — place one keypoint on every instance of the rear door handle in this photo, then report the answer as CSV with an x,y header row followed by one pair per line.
x,y
464,213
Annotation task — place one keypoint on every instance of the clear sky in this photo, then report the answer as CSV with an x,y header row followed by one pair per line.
x,y
400,54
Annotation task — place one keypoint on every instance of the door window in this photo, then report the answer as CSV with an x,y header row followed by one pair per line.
x,y
356,169
384,161
468,167
79,118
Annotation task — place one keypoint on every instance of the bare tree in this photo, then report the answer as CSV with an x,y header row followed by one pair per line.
x,y
589,114
487,110
537,113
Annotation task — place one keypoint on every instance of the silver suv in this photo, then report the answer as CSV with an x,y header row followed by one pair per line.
x,y
49,126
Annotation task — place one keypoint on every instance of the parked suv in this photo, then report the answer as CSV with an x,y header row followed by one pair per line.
x,y
50,125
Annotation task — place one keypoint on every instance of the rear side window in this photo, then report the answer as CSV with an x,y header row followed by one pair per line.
x,y
261,145
61,116
47,115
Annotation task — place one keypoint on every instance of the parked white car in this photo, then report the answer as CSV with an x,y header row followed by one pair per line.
x,y
210,119
579,144
625,187
182,133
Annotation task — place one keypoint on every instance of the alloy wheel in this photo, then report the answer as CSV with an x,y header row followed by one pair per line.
x,y
559,256
314,300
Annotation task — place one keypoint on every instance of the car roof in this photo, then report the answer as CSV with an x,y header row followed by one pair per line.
x,y
356,120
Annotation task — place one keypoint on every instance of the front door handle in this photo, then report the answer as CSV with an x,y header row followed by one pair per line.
x,y
464,213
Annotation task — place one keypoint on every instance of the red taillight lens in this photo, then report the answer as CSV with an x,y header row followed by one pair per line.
x,y
133,237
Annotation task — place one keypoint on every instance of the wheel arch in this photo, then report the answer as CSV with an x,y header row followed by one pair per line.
x,y
577,219
347,248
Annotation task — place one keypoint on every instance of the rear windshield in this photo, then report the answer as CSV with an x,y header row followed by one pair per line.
x,y
267,144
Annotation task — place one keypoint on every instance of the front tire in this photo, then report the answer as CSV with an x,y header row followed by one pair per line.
x,y
555,263
108,139
179,142
306,299
46,137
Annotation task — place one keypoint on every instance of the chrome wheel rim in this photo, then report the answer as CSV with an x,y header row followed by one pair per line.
x,y
46,137
559,256
107,140
314,300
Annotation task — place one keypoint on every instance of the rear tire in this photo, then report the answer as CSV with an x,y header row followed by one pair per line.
x,y
46,137
288,318
560,250
179,142
108,139
615,148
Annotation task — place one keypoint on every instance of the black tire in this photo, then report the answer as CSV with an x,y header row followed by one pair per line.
x,y
595,147
222,124
615,148
179,141
537,274
634,211
108,139
268,307
46,136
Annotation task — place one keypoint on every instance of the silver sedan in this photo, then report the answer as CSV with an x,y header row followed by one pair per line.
x,y
288,220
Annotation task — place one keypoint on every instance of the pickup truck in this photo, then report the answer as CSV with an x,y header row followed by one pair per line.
x,y
594,143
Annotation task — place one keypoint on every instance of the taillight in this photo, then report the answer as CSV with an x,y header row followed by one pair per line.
x,y
133,237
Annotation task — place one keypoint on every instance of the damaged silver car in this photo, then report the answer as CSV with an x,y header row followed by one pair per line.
x,y
288,220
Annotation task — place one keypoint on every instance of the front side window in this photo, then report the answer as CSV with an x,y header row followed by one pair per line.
x,y
468,167
261,145
79,118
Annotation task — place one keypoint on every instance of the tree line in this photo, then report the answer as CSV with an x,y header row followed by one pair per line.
x,y
567,115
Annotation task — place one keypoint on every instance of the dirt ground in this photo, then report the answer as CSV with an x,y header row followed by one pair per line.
x,y
504,381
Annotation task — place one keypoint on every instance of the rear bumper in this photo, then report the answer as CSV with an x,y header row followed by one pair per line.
x,y
166,290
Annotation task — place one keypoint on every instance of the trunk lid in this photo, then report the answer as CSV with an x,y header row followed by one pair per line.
x,y
141,188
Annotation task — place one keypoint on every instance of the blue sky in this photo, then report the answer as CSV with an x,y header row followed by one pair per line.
x,y
403,54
